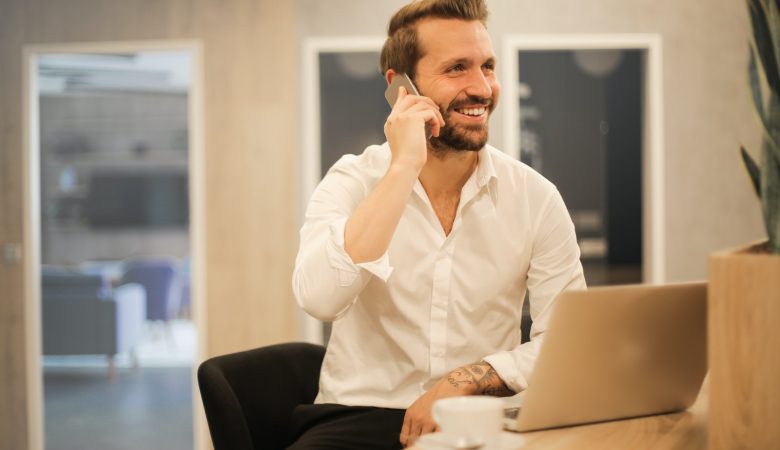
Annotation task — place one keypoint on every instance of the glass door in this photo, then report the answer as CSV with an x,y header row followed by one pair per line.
x,y
118,338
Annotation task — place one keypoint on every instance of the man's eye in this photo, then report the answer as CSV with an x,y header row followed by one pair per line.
x,y
457,68
489,67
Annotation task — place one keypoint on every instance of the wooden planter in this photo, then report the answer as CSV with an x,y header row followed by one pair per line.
x,y
744,349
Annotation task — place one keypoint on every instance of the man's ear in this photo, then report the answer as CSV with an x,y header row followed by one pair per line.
x,y
389,75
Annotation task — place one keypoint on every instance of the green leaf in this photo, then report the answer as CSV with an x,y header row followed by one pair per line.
x,y
758,101
755,87
770,196
773,16
772,125
753,170
762,36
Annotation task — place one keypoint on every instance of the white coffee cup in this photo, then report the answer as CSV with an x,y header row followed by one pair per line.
x,y
470,420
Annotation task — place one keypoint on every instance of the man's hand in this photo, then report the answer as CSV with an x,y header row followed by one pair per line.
x,y
471,379
405,128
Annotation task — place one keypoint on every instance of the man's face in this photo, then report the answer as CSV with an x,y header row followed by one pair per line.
x,y
457,71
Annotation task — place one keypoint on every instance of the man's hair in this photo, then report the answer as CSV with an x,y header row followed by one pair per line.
x,y
402,50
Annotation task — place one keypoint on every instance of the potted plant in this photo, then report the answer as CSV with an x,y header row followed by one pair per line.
x,y
744,293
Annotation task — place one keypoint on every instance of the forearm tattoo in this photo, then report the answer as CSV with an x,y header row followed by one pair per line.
x,y
481,378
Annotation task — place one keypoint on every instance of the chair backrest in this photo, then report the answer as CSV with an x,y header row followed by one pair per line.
x,y
159,278
249,396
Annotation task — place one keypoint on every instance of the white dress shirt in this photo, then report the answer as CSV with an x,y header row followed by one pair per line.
x,y
434,302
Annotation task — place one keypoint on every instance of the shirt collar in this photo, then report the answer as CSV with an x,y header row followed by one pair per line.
x,y
484,172
485,168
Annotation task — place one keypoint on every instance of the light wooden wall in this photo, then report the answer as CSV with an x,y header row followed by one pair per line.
x,y
250,110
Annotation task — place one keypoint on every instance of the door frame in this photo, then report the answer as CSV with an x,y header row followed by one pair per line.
x,y
32,225
653,203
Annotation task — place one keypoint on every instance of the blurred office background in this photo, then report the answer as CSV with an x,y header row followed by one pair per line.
x,y
118,339
105,159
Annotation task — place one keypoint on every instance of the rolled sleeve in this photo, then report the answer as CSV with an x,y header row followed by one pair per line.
x,y
339,259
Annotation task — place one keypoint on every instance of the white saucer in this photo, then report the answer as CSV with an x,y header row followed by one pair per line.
x,y
440,441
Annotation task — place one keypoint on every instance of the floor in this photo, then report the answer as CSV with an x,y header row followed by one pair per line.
x,y
149,407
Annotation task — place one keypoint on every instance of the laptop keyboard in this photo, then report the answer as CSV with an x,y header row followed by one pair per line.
x,y
511,413
512,407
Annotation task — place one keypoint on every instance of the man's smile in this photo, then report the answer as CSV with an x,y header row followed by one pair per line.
x,y
478,111
473,111
470,110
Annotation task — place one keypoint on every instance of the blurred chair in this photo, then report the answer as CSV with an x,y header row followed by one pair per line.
x,y
83,315
249,396
185,304
160,278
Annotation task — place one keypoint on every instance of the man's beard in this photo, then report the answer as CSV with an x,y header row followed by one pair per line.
x,y
460,137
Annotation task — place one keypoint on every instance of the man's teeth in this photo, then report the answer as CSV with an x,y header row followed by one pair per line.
x,y
472,111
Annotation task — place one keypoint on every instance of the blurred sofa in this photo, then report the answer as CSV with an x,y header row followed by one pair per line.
x,y
83,315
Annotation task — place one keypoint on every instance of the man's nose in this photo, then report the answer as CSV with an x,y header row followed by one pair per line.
x,y
479,86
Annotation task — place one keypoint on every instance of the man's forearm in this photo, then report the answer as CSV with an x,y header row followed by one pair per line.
x,y
479,379
371,226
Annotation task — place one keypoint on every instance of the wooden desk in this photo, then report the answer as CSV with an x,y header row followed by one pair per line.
x,y
686,430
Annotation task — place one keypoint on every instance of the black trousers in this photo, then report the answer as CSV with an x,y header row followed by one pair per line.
x,y
329,426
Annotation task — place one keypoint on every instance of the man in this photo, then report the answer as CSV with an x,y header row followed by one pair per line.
x,y
421,250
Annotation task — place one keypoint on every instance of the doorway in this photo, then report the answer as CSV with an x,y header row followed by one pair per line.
x,y
585,111
115,215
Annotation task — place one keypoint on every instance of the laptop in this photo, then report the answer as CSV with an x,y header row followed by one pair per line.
x,y
616,352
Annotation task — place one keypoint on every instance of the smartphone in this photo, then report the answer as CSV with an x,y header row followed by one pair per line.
x,y
391,94
401,79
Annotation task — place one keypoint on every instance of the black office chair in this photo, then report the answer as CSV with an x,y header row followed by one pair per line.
x,y
249,396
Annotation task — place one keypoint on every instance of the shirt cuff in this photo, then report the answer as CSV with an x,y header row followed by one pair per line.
x,y
339,259
506,368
